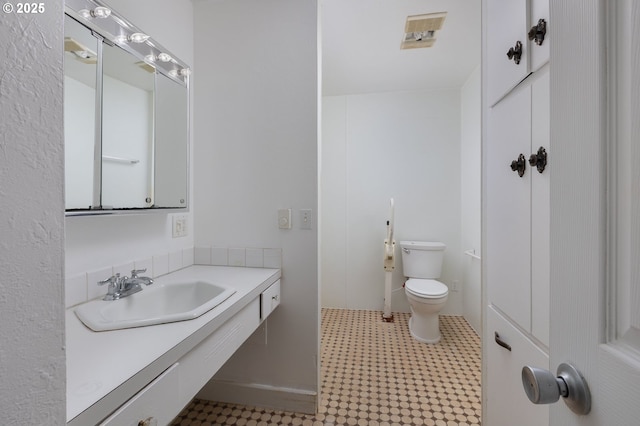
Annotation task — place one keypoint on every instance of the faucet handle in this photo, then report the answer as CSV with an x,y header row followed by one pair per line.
x,y
112,280
135,272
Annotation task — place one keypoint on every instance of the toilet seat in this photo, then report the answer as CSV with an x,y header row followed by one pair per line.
x,y
428,289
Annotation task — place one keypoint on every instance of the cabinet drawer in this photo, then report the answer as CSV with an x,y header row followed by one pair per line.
x,y
270,299
507,403
158,401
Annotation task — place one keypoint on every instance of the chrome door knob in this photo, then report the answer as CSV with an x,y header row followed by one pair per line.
x,y
543,387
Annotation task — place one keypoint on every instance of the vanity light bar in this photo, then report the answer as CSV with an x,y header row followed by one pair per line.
x,y
106,22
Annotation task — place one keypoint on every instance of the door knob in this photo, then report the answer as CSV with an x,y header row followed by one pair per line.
x,y
539,159
519,165
515,52
542,387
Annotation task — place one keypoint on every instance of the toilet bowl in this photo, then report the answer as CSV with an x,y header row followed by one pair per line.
x,y
426,299
422,264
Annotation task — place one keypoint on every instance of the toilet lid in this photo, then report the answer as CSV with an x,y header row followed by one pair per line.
x,y
426,288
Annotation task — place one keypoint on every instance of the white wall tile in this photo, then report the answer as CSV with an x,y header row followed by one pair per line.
x,y
75,290
187,257
254,258
202,255
175,260
160,265
219,256
237,257
273,258
93,289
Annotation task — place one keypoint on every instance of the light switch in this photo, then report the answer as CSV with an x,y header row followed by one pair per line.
x,y
284,218
306,219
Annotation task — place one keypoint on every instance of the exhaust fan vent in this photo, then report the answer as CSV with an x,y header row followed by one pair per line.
x,y
80,52
420,30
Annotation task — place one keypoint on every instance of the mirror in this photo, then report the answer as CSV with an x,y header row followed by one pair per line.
x,y
80,64
126,116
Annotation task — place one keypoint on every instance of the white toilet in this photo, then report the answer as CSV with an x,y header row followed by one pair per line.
x,y
422,264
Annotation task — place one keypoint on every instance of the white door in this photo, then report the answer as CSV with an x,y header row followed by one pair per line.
x,y
595,206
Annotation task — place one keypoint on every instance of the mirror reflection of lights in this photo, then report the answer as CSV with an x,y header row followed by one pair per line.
x,y
99,12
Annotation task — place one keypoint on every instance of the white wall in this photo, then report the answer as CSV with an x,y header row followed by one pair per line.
x,y
256,152
32,358
93,243
470,199
404,145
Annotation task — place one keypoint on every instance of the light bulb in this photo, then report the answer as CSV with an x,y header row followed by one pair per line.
x,y
138,38
164,57
101,12
150,58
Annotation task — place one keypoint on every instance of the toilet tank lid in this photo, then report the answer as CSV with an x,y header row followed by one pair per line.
x,y
422,245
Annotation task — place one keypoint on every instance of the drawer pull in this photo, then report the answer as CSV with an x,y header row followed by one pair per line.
x,y
501,342
149,421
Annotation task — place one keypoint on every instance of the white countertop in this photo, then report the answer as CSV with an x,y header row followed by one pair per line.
x,y
124,361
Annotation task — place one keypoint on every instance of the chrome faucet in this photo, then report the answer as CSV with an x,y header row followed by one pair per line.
x,y
120,287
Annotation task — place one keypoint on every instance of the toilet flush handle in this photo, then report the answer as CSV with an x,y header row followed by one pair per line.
x,y
406,250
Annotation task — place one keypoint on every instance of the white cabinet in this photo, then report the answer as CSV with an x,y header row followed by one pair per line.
x,y
157,403
516,197
508,24
517,207
507,404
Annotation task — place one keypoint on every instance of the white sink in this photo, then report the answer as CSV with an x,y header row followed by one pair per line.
x,y
156,304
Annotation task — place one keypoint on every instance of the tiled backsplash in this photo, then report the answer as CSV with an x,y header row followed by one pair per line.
x,y
83,287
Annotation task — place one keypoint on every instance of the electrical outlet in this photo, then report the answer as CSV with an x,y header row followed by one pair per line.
x,y
455,284
179,226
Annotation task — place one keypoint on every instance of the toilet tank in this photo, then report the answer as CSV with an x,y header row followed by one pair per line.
x,y
422,259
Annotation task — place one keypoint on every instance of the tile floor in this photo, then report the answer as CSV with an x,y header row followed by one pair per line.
x,y
375,373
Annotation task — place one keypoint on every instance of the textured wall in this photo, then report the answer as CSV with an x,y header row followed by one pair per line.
x,y
32,361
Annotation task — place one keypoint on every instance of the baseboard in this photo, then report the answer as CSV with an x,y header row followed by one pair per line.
x,y
280,398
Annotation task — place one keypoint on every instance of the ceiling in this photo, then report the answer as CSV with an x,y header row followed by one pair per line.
x,y
361,46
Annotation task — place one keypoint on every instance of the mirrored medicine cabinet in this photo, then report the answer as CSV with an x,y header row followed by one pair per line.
x,y
126,116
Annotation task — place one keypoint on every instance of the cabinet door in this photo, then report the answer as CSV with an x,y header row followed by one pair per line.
x,y
540,209
507,403
508,207
539,54
507,23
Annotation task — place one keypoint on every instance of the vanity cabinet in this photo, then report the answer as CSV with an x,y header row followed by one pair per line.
x,y
166,364
508,24
517,168
156,403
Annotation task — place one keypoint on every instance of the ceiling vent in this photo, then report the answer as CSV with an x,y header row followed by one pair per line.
x,y
420,30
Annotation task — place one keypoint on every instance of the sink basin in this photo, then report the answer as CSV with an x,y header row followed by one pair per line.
x,y
156,304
